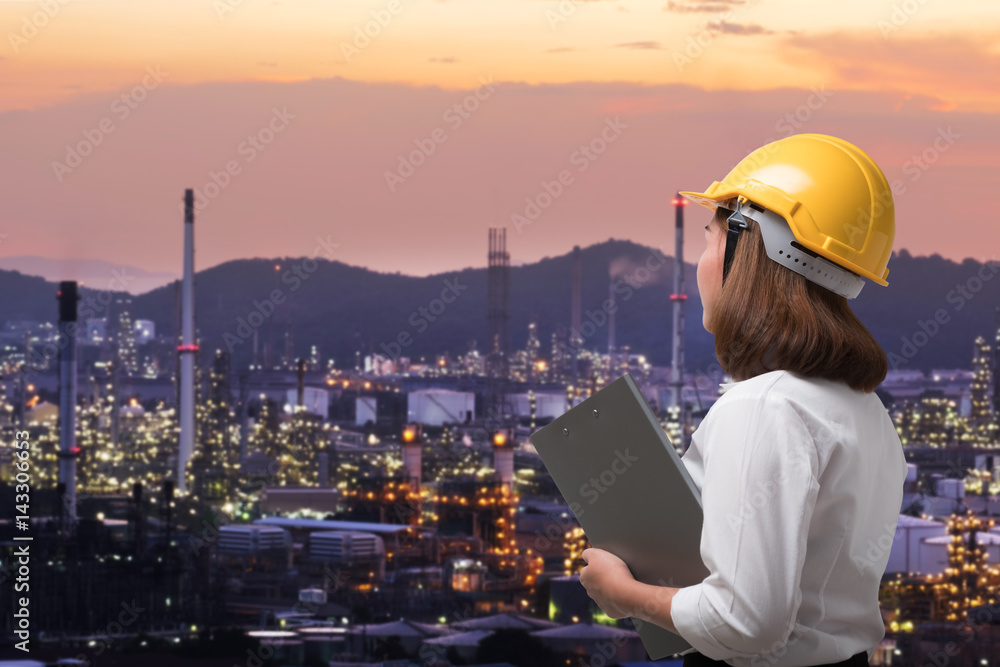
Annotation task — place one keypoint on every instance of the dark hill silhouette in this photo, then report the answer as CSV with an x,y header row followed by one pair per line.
x,y
343,308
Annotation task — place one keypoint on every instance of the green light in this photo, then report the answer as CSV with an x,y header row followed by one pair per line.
x,y
604,619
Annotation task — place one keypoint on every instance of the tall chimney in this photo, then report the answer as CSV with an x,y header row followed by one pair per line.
x,y
187,348
503,456
300,394
68,451
138,520
412,441
115,393
168,499
611,328
22,384
678,297
996,371
575,340
244,415
256,359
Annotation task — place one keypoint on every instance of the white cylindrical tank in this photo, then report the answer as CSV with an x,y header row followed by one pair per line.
x,y
547,406
934,551
911,531
434,407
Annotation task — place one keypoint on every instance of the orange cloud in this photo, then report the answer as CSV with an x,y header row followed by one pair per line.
x,y
640,45
961,72
711,6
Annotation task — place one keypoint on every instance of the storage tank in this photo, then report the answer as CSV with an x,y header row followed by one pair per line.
x,y
547,406
934,551
346,546
434,407
910,532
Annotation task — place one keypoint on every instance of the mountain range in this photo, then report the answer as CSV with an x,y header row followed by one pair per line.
x,y
926,318
96,272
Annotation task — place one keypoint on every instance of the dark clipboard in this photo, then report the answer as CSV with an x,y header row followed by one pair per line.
x,y
630,492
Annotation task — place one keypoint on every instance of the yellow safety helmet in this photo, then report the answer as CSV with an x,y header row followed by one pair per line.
x,y
834,199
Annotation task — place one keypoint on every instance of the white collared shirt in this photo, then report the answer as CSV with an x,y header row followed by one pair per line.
x,y
801,481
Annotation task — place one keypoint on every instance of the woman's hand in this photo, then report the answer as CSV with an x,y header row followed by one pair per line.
x,y
607,579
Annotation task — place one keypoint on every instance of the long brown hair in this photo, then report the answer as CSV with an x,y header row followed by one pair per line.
x,y
768,317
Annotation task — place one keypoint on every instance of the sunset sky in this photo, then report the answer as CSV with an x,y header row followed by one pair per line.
x,y
110,108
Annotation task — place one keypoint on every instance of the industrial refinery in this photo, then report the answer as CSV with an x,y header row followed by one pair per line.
x,y
393,510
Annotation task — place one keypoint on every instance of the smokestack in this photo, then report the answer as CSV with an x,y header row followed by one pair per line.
x,y
412,440
996,371
168,498
115,392
61,507
138,529
268,359
256,359
503,456
244,415
68,451
22,384
187,348
611,326
575,341
678,297
533,403
300,395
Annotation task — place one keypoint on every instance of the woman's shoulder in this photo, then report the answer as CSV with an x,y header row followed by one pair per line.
x,y
792,390
766,385
788,383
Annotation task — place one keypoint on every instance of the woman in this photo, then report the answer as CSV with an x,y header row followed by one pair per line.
x,y
799,465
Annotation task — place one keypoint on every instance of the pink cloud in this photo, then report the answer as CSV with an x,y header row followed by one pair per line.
x,y
323,173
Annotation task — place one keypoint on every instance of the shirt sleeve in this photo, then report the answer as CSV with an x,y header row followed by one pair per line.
x,y
758,495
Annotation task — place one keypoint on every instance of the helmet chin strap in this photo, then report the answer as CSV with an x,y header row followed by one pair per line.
x,y
736,223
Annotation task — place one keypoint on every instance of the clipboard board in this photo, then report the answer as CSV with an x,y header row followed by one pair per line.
x,y
630,492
